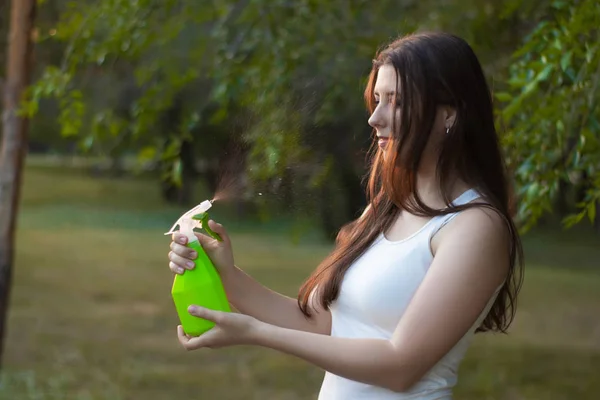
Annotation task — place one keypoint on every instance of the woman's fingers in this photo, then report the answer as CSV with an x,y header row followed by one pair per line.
x,y
176,269
181,258
179,237
183,251
180,262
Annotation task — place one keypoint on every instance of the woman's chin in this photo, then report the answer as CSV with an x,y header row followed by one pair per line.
x,y
385,152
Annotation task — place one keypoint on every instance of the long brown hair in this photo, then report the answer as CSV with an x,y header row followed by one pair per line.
x,y
432,69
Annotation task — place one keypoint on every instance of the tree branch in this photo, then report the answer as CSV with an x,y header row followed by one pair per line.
x,y
574,131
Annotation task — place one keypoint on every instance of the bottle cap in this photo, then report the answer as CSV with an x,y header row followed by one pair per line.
x,y
186,222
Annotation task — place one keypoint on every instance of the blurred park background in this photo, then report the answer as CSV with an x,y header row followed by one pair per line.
x,y
140,109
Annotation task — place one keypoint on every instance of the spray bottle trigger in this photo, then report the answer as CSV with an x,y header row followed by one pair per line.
x,y
203,218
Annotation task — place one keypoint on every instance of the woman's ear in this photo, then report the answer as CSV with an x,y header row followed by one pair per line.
x,y
449,117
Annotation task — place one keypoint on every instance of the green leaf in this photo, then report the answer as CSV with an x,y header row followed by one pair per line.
x,y
560,4
545,73
503,96
592,211
176,176
146,154
565,61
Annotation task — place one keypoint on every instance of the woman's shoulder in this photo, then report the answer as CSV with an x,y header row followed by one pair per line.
x,y
482,215
477,242
481,225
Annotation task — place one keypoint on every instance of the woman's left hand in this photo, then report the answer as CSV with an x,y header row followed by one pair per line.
x,y
230,329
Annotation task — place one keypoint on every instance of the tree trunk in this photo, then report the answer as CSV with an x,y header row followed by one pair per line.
x,y
14,141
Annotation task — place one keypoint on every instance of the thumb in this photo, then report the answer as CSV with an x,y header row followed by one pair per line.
x,y
203,239
218,228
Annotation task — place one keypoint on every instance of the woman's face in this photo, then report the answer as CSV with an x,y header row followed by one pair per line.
x,y
385,110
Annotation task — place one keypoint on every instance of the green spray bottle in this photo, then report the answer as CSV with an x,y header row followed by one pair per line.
x,y
201,285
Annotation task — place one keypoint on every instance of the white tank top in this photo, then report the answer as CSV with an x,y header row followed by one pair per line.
x,y
374,294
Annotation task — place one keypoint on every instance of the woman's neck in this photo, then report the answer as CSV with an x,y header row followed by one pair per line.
x,y
430,191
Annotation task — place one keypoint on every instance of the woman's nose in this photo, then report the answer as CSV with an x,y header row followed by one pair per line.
x,y
375,119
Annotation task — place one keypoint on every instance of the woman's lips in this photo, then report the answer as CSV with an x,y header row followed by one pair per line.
x,y
383,141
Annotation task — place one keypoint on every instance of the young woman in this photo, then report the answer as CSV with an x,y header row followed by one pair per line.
x,y
432,260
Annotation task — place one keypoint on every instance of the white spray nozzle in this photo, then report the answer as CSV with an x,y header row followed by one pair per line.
x,y
187,224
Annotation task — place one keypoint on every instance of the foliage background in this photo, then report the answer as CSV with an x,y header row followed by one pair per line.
x,y
142,108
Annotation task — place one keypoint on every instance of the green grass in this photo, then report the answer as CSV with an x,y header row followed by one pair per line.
x,y
91,315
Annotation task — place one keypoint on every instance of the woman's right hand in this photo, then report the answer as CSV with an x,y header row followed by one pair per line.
x,y
181,257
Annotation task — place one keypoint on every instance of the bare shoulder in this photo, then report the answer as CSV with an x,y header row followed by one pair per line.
x,y
480,230
478,221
